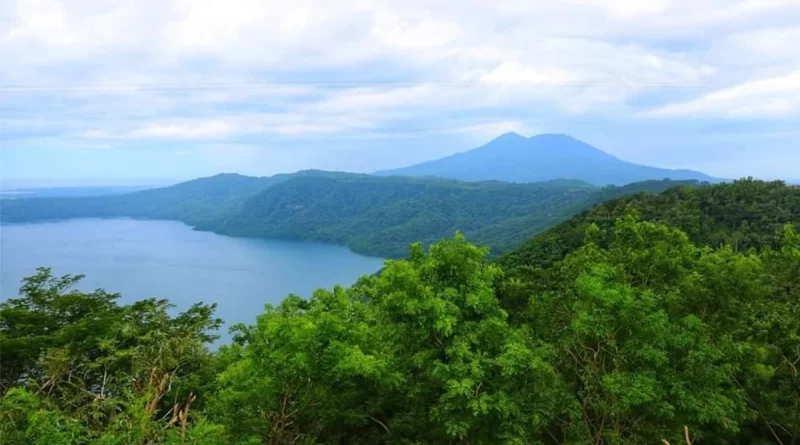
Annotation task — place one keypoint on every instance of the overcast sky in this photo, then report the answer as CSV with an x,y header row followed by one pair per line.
x,y
141,90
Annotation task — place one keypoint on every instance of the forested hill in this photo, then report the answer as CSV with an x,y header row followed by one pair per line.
x,y
371,215
193,202
381,216
190,201
515,158
745,213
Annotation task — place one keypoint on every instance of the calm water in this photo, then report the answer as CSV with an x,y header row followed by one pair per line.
x,y
166,259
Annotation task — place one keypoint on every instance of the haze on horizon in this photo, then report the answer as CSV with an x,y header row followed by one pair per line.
x,y
141,92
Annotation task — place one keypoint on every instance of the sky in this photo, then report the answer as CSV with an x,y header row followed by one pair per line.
x,y
144,91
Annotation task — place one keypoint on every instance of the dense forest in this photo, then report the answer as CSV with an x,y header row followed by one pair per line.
x,y
650,319
382,216
371,215
745,213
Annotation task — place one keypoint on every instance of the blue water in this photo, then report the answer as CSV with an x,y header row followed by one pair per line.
x,y
167,259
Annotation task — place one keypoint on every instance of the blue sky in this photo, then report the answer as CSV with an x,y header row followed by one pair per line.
x,y
141,91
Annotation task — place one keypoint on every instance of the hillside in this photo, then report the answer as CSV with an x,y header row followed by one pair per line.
x,y
371,215
194,202
382,216
191,201
514,158
745,213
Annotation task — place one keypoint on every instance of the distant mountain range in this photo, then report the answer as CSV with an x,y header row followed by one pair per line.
x,y
514,158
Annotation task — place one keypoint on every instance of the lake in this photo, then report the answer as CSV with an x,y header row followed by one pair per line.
x,y
167,259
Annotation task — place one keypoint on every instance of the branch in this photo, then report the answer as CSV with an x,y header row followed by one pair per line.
x,y
774,434
103,387
381,424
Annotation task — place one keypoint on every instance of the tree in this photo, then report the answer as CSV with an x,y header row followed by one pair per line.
x,y
90,369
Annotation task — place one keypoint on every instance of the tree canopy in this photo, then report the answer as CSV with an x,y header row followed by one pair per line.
x,y
744,213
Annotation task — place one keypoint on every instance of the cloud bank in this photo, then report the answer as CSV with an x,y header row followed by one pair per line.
x,y
175,89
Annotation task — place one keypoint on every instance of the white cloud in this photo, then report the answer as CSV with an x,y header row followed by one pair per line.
x,y
204,130
373,98
511,72
414,33
442,39
483,132
217,71
628,8
763,98
760,49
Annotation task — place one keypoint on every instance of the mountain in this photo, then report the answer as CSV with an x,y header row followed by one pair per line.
x,y
514,158
194,202
372,215
745,213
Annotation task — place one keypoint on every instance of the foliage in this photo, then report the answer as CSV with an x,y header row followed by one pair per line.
x,y
745,213
626,343
80,368
421,354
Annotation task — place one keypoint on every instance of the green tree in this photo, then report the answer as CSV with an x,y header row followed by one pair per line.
x,y
421,353
78,366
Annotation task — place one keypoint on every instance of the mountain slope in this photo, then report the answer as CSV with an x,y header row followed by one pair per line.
x,y
514,158
745,213
194,202
382,216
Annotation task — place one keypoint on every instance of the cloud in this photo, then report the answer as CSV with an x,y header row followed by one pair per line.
x,y
626,8
511,72
153,74
759,46
763,98
489,130
205,130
